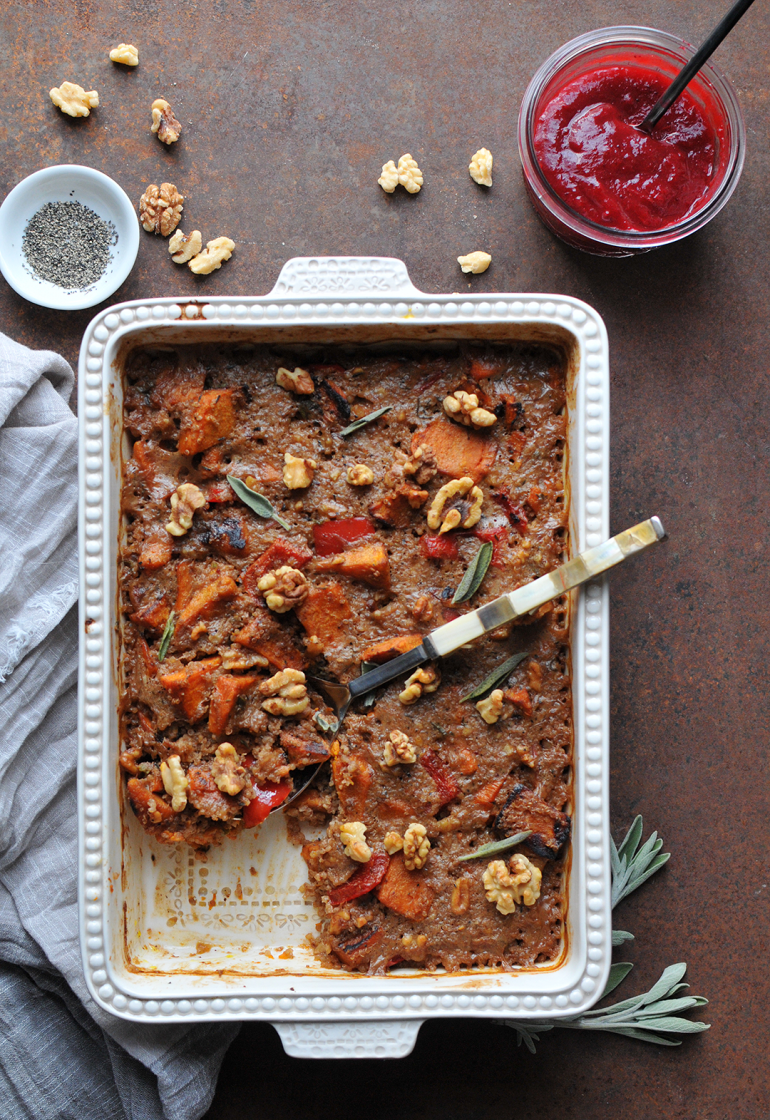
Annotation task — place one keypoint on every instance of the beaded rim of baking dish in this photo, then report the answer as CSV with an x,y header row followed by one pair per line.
x,y
392,1019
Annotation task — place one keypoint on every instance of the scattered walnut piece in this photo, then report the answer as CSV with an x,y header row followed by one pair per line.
x,y
284,588
422,608
422,680
73,100
507,888
480,167
287,692
414,945
399,749
226,770
184,502
465,408
234,658
360,475
160,208
393,842
213,256
353,836
464,509
416,847
388,180
298,381
125,53
174,781
493,707
183,248
164,123
298,473
535,676
520,699
420,467
409,174
461,896
475,262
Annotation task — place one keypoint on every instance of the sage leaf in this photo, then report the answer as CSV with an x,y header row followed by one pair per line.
x,y
167,635
474,574
497,846
496,677
256,502
369,699
619,936
618,973
325,724
364,420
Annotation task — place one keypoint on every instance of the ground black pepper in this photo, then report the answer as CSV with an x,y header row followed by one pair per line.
x,y
68,244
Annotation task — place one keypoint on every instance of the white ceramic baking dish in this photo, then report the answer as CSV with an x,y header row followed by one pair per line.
x,y
168,938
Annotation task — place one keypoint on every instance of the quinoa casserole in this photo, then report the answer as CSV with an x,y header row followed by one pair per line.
x,y
318,514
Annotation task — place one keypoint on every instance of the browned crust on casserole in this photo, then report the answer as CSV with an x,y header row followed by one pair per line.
x,y
472,782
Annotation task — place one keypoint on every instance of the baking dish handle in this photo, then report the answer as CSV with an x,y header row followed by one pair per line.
x,y
344,276
392,1038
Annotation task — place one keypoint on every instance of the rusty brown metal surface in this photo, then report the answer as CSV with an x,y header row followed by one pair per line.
x,y
289,110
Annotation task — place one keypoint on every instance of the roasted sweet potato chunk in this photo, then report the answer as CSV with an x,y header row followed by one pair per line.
x,y
523,810
204,602
211,418
223,697
189,686
352,777
405,892
264,635
369,564
153,613
147,797
156,552
302,751
459,452
355,948
205,796
391,647
323,613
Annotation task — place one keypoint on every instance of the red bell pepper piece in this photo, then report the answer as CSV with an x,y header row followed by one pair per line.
x,y
445,784
439,548
267,796
496,534
219,492
481,368
515,514
368,876
279,553
335,536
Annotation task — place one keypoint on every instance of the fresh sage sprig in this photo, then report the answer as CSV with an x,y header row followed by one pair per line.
x,y
631,868
474,574
655,1015
364,420
166,636
651,1017
496,677
497,846
256,502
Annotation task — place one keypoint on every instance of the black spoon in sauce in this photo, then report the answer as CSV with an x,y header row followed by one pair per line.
x,y
688,72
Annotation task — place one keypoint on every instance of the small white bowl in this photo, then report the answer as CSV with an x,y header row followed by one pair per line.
x,y
67,183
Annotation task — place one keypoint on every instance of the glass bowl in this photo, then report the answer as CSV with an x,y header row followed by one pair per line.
x,y
651,50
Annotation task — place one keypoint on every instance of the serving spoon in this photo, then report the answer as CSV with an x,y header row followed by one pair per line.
x,y
457,633
496,613
690,69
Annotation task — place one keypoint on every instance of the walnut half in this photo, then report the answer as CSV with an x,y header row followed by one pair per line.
x,y
164,123
465,408
507,888
457,503
184,501
160,208
73,100
183,248
399,749
353,836
480,167
416,847
174,781
284,588
126,53
475,262
422,680
287,693
226,770
213,256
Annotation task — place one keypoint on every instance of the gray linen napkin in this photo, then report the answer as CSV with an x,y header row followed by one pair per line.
x,y
60,1055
